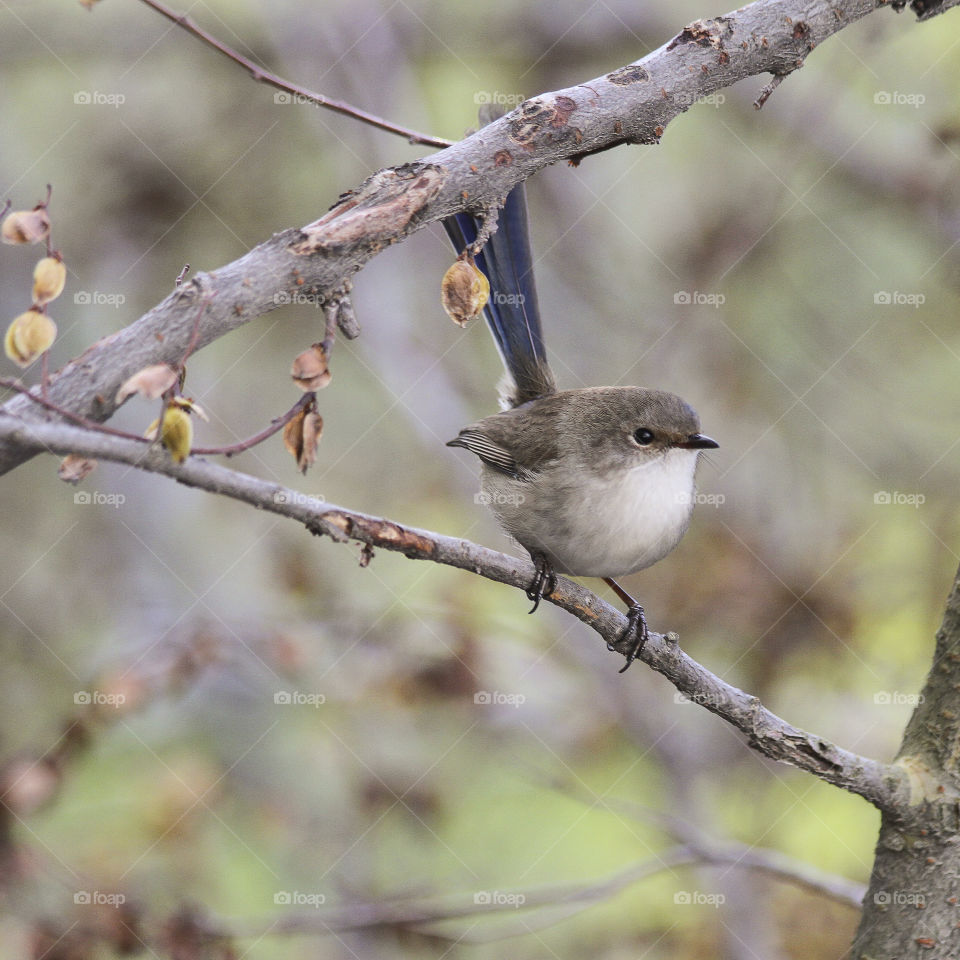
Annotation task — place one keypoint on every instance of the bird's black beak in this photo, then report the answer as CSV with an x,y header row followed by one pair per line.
x,y
697,441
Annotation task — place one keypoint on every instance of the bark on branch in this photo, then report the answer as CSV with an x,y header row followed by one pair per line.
x,y
630,105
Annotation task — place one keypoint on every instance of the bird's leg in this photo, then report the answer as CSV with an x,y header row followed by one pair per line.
x,y
636,629
544,581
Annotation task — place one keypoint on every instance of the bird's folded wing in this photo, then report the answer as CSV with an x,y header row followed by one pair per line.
x,y
490,453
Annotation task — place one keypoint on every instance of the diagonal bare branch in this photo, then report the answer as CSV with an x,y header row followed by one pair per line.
x,y
630,105
883,785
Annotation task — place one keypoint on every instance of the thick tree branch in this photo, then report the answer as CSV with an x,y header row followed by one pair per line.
x,y
883,785
632,104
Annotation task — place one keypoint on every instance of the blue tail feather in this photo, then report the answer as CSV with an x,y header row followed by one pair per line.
x,y
512,313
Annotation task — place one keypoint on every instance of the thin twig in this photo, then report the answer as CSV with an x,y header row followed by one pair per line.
x,y
44,204
778,78
45,374
265,76
421,912
195,332
182,274
275,425
225,451
22,388
331,309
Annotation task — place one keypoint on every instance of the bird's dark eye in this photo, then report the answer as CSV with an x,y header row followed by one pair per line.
x,y
643,436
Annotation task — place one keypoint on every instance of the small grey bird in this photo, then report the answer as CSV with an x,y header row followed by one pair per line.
x,y
595,482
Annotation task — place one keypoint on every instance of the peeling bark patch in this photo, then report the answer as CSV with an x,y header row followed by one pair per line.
x,y
800,31
332,525
704,33
818,752
390,535
380,211
922,779
563,107
632,73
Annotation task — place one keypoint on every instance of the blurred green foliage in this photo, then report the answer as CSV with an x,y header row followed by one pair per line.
x,y
801,586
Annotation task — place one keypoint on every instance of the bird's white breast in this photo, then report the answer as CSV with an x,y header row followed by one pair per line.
x,y
631,524
602,527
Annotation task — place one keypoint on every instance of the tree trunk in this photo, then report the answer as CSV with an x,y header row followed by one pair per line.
x,y
912,908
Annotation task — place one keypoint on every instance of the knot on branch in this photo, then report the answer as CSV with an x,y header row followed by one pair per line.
x,y
543,118
631,73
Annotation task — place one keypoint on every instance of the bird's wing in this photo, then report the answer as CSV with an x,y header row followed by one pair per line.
x,y
490,453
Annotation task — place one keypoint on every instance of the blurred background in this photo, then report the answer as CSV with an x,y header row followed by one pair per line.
x,y
214,721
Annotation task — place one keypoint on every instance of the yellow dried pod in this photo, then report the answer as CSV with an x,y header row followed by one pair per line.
x,y
176,431
26,226
464,291
28,336
49,277
8,345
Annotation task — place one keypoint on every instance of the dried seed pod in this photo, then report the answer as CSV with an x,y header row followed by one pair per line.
x,y
49,277
312,431
301,436
28,336
293,435
464,291
26,226
310,370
